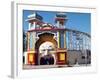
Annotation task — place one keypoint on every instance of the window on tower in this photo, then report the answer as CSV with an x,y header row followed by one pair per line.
x,y
31,25
37,26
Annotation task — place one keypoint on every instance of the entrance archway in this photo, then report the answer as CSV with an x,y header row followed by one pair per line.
x,y
46,47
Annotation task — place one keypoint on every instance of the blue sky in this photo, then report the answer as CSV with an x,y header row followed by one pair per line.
x,y
77,21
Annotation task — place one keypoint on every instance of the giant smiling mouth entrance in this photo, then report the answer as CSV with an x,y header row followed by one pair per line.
x,y
47,60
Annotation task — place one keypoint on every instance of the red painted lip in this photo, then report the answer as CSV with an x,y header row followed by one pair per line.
x,y
52,29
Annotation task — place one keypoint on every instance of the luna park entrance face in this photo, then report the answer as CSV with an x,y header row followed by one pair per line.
x,y
47,53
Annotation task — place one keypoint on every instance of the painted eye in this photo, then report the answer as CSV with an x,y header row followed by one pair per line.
x,y
43,50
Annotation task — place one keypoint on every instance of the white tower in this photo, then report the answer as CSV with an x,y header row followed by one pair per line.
x,y
35,21
60,20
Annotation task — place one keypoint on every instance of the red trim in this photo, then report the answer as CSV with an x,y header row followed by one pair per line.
x,y
60,18
28,49
61,61
61,48
52,29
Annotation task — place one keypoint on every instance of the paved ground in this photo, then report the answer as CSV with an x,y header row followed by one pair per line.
x,y
51,66
43,66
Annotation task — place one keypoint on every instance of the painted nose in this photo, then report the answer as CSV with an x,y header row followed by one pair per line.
x,y
46,52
